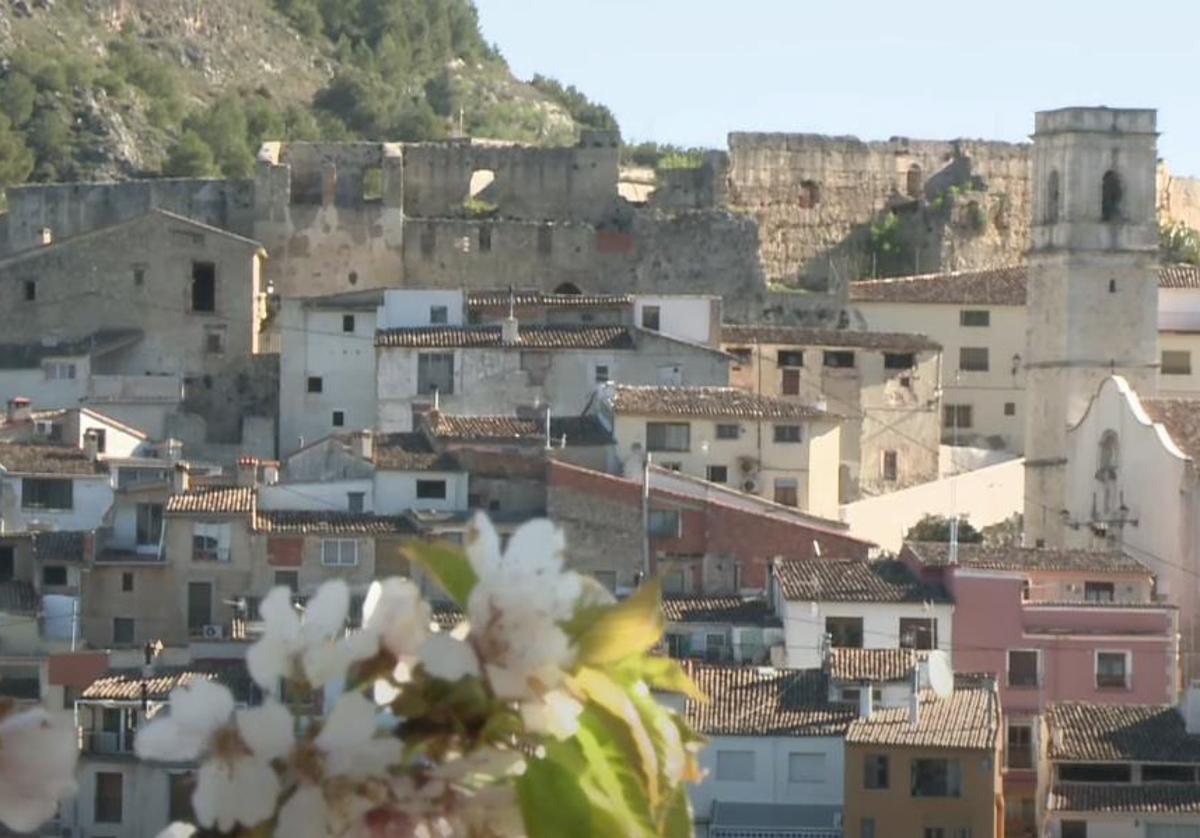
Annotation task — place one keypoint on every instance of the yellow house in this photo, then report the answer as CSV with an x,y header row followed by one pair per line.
x,y
933,776
780,449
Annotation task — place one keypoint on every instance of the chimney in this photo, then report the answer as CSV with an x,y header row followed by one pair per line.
x,y
247,471
91,445
174,450
46,236
1191,708
270,472
181,479
914,701
20,409
510,331
866,701
364,445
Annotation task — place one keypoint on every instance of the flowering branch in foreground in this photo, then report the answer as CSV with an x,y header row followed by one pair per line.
x,y
534,716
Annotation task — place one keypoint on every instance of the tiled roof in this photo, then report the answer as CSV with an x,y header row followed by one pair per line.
x,y
936,553
530,337
579,430
798,336
850,580
410,452
331,522
1125,798
223,499
447,615
19,458
126,684
967,719
501,299
719,609
846,664
712,402
18,597
1083,731
760,701
29,355
1181,418
59,545
988,286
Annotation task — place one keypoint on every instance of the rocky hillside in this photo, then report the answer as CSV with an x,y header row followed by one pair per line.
x,y
94,89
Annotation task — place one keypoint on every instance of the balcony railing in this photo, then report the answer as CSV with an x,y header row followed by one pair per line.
x,y
1019,757
106,742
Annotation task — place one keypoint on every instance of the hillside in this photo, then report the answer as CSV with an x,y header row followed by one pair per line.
x,y
99,89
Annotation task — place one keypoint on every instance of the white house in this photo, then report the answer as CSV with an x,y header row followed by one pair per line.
x,y
830,603
52,487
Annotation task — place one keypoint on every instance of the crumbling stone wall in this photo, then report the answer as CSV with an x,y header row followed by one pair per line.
x,y
1178,198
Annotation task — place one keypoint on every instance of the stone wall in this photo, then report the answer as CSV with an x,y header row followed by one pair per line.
x,y
1178,198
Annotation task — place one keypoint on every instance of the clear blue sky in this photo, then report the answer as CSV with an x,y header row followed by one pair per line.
x,y
690,71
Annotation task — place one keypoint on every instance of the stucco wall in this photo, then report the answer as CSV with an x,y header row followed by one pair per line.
x,y
804,629
91,499
770,783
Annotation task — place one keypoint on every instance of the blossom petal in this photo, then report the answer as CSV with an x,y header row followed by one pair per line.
x,y
165,740
399,616
483,544
351,723
38,754
268,661
325,614
267,730
278,614
256,791
556,714
536,546
448,658
201,706
304,814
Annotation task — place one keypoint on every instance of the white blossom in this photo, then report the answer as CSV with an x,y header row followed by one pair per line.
x,y
554,713
198,709
449,658
233,791
38,753
396,613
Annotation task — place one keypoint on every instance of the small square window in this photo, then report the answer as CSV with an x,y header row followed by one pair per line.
x,y
728,431
316,384
122,631
139,276
665,523
1176,362
791,358
890,466
839,359
355,500
717,474
214,342
485,238
439,315
1010,408
54,576
1112,670
788,433
339,418
289,579
431,489
30,290
973,358
348,323
787,492
602,374
974,317
651,317
127,582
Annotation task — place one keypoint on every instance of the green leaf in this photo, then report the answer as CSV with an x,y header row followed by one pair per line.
x,y
593,602
617,792
628,730
447,564
659,673
678,820
552,802
627,628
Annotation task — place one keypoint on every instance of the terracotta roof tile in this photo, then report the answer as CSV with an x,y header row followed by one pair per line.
x,y
967,719
126,684
874,665
231,500
531,337
1087,732
330,522
60,545
851,580
1153,798
760,701
20,458
500,299
447,615
732,334
713,402
937,554
18,597
1181,418
410,452
719,609
579,430
1179,276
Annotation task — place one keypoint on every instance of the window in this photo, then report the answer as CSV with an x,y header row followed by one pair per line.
x,y
957,416
810,194
845,632
890,466
179,797
789,382
59,370
47,493
108,797
1023,668
787,433
790,358
1098,591
717,474
214,340
149,524
545,239
122,631
30,290
973,358
435,372
439,315
665,523
339,552
651,317
101,437
210,542
127,582
1176,362
729,431
787,492
1112,669
673,582
1052,197
7,563
737,766
204,286
199,600
875,771
918,633
936,778
1094,772
806,768
1168,774
742,354
866,828
54,575
348,323
1010,408
1112,286
355,501
912,181
842,359
289,579
1019,753
933,832
1111,193
1073,829
668,436
485,238
899,360
431,489
338,419
601,374
974,317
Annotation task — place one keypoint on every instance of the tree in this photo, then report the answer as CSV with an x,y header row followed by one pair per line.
x,y
1177,242
937,528
189,157
16,97
16,160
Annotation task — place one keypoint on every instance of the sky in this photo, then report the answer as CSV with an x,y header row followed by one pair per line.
x,y
691,71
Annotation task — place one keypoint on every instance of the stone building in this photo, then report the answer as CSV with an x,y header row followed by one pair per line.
x,y
885,386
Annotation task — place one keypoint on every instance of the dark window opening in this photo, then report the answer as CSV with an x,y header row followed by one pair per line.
x,y
54,575
1111,193
1094,772
975,317
743,354
651,317
485,238
1112,286
122,631
338,419
1099,591
1073,829
545,239
845,632
289,579
875,771
957,416
204,286
1010,408
431,489
717,474
179,797
149,523
435,373
841,359
428,241
1052,197
912,181
139,276
789,382
127,582
1168,774
918,633
890,468
973,358
30,290
1022,668
1020,746
665,523
936,778
199,605
810,194
668,436
728,431
787,491
348,323
899,360
108,803
788,433
568,288
439,315
355,501
353,277
790,358
316,384
47,493
214,342
8,563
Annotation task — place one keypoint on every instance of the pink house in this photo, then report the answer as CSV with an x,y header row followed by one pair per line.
x,y
1053,625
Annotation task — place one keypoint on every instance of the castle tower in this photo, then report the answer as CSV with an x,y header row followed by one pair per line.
x,y
1093,287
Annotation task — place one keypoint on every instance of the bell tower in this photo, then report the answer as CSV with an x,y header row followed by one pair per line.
x,y
1092,297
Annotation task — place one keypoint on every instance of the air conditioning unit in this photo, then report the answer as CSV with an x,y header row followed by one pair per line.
x,y
213,632
750,486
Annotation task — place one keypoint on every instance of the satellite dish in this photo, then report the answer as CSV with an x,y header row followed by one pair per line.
x,y
941,677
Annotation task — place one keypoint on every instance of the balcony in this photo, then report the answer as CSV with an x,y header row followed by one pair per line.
x,y
109,551
106,743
